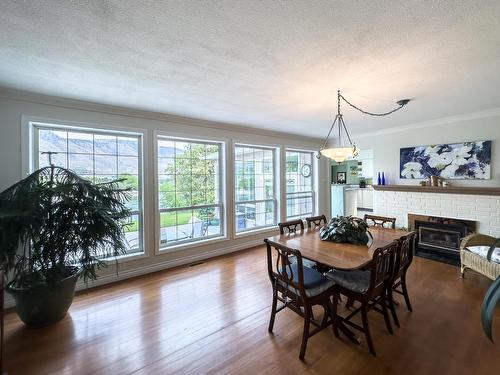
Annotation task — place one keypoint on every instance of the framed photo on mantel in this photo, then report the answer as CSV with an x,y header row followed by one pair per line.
x,y
341,177
467,160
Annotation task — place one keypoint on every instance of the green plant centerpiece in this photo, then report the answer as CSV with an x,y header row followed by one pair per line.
x,y
55,227
346,229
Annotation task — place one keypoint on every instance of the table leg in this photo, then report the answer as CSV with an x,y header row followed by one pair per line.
x,y
338,322
346,331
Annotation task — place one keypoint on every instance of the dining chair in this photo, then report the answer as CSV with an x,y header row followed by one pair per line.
x,y
380,221
402,262
316,221
291,226
298,288
367,285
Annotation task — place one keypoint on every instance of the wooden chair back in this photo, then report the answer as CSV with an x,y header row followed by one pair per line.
x,y
382,267
291,226
316,221
380,221
280,269
404,254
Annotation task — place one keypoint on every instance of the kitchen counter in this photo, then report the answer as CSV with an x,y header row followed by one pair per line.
x,y
354,187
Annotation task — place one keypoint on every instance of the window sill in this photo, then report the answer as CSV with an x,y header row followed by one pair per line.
x,y
127,257
190,245
252,232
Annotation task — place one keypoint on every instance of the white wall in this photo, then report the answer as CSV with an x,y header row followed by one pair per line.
x,y
16,106
472,127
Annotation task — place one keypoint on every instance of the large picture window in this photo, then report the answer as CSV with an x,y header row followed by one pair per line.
x,y
255,193
299,184
189,190
99,156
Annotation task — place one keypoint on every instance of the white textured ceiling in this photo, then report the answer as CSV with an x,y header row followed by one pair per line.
x,y
269,64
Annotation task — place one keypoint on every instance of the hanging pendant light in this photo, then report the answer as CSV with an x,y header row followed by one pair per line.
x,y
339,154
344,146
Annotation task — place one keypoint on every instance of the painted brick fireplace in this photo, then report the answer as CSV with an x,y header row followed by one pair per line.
x,y
483,209
439,236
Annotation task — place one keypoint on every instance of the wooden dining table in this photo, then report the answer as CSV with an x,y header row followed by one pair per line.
x,y
338,255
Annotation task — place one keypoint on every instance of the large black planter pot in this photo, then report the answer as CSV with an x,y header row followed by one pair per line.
x,y
40,305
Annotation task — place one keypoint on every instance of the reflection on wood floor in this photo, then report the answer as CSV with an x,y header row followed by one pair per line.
x,y
212,318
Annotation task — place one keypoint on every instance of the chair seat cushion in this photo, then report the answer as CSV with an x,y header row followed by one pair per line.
x,y
482,251
357,281
305,262
314,282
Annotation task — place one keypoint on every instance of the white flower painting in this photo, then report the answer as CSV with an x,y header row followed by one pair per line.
x,y
468,160
412,170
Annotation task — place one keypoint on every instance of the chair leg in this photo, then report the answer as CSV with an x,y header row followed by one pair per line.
x,y
333,313
392,307
462,271
326,313
305,333
383,301
273,312
366,327
349,303
405,292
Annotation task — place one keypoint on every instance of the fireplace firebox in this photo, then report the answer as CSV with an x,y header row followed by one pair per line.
x,y
439,237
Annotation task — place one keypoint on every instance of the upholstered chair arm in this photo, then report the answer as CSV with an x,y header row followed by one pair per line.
x,y
475,239
492,248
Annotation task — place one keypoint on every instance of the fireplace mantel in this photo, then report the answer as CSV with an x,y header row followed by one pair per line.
x,y
439,189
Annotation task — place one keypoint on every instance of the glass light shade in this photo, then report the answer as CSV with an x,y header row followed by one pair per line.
x,y
338,154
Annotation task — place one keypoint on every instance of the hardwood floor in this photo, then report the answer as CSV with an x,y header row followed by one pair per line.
x,y
212,318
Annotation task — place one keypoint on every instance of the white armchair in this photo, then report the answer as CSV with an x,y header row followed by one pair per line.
x,y
477,261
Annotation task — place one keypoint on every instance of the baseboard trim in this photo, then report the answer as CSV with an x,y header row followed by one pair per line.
x,y
123,275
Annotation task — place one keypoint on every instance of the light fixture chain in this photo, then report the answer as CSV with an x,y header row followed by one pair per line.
x,y
341,152
366,112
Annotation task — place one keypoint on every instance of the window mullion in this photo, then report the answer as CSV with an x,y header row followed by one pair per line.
x,y
251,186
83,154
299,201
190,208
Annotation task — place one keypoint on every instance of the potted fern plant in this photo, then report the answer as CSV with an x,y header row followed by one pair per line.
x,y
56,227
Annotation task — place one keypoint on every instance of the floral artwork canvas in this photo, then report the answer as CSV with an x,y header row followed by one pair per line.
x,y
468,160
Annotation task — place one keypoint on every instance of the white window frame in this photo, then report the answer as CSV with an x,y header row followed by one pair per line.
x,y
310,193
190,242
276,181
31,164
